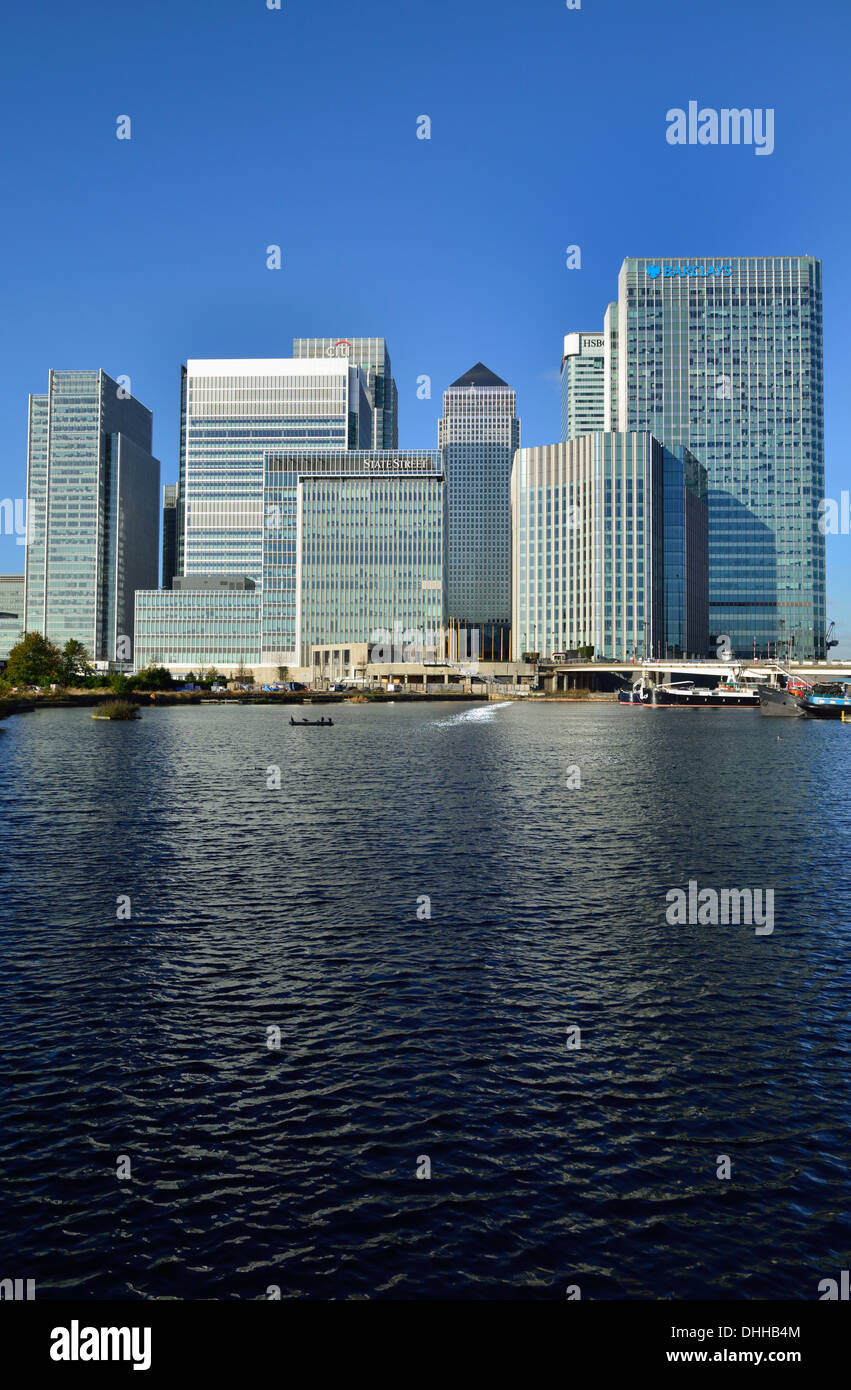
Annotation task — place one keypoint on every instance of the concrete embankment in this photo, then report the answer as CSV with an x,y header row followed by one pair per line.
x,y
147,699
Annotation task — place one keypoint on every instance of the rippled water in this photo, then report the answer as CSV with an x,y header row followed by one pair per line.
x,y
403,1036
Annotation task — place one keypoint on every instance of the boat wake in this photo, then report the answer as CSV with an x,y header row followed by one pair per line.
x,y
483,715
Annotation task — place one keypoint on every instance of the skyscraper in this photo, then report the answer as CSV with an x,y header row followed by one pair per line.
x,y
582,384
478,435
609,548
354,540
93,513
372,356
234,411
724,355
169,550
587,546
371,549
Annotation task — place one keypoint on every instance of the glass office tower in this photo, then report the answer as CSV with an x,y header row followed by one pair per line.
x,y
169,541
588,561
234,412
724,355
686,541
373,357
589,557
11,612
478,435
582,384
93,513
371,556
354,542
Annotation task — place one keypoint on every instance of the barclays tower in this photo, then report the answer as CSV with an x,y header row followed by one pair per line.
x,y
724,356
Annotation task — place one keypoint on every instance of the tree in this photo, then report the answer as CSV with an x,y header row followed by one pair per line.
x,y
119,683
34,661
152,678
97,680
75,662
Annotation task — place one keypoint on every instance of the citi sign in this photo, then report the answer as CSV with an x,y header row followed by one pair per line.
x,y
699,271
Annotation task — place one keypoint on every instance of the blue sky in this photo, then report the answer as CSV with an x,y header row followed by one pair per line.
x,y
298,127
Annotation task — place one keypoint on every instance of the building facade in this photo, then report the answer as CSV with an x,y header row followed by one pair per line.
x,y
588,543
189,629
371,555
478,435
329,550
583,384
353,542
686,542
11,612
169,538
234,412
373,357
93,513
724,355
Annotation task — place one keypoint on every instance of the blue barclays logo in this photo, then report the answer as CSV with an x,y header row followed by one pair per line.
x,y
699,271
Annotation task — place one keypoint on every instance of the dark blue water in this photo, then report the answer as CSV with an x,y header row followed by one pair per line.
x,y
406,1037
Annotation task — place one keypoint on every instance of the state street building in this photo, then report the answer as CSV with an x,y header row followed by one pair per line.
x,y
352,545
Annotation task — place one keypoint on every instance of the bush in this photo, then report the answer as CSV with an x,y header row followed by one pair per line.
x,y
117,709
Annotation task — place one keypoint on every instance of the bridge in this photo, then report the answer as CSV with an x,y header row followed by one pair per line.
x,y
608,675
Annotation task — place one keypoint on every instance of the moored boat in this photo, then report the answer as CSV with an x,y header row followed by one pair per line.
x,y
831,701
638,694
727,695
774,701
